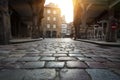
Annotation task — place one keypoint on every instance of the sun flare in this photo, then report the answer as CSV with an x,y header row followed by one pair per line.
x,y
66,7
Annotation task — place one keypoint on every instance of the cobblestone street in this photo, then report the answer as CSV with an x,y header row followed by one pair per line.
x,y
59,59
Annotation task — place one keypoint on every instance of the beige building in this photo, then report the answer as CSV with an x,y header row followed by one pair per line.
x,y
51,23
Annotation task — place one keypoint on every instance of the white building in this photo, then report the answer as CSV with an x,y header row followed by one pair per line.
x,y
63,30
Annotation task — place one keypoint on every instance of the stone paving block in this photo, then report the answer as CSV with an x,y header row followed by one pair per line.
x,y
76,55
62,52
11,65
91,55
76,64
47,58
31,55
114,59
74,74
18,52
21,48
11,60
68,49
57,55
100,59
45,54
74,52
32,50
1,58
66,58
48,52
102,74
117,64
4,53
83,52
117,71
111,64
20,74
12,74
33,65
29,59
109,56
55,64
96,65
76,49
85,59
16,55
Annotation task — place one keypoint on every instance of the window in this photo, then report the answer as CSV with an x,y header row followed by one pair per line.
x,y
48,25
54,19
48,11
48,18
54,12
54,26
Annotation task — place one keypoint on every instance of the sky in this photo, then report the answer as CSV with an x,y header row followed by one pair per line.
x,y
66,7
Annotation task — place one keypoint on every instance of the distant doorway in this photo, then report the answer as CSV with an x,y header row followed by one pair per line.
x,y
51,34
48,34
54,33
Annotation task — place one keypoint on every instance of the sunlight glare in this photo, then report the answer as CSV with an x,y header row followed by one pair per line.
x,y
66,7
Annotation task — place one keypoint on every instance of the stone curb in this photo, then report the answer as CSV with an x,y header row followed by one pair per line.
x,y
24,41
112,44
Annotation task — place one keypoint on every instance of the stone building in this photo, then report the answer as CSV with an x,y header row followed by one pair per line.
x,y
20,18
64,30
51,23
71,29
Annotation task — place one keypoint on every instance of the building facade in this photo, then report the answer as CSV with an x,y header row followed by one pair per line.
x,y
98,19
63,30
51,23
20,19
71,30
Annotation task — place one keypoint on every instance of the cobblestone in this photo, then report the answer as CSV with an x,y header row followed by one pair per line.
x,y
37,74
10,59
114,59
29,59
60,52
60,55
76,55
47,58
96,65
55,64
85,59
45,55
76,64
74,52
31,55
59,59
117,71
34,65
17,55
99,59
73,74
66,58
102,74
